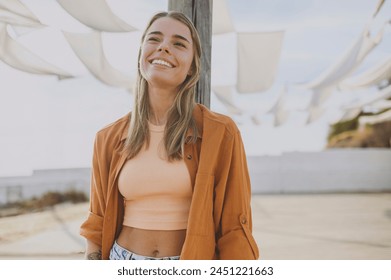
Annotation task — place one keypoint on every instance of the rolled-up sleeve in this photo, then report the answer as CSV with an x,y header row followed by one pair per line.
x,y
235,240
92,227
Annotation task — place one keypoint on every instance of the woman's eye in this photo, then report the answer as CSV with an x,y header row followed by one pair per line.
x,y
154,39
179,44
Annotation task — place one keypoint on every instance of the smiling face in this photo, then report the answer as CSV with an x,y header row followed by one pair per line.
x,y
166,53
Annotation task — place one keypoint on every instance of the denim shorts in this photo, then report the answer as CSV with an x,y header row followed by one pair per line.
x,y
119,253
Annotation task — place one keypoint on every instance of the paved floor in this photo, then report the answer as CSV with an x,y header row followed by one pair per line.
x,y
329,226
334,227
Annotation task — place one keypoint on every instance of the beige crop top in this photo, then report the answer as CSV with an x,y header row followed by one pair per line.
x,y
157,192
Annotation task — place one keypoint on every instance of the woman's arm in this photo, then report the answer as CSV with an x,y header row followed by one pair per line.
x,y
93,251
92,227
235,240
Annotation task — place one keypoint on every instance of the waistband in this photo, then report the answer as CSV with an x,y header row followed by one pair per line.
x,y
118,252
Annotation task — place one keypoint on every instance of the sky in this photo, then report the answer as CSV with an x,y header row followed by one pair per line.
x,y
48,123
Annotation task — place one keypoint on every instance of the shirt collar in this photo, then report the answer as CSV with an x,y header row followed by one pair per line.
x,y
197,115
124,134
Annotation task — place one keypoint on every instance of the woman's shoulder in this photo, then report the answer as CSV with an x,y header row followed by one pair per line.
x,y
213,120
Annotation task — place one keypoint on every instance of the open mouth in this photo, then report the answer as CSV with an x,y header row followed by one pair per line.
x,y
161,62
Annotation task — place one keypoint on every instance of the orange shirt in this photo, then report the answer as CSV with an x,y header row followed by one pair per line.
x,y
220,221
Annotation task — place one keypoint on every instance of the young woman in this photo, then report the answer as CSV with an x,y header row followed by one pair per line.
x,y
170,179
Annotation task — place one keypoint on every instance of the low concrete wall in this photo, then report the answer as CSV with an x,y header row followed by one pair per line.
x,y
341,170
335,170
14,189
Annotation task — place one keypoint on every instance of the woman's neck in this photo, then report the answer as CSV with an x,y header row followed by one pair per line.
x,y
160,102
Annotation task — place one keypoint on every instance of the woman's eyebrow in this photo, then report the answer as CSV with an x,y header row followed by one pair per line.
x,y
176,35
181,37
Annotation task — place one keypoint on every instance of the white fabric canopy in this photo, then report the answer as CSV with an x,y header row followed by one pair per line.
x,y
371,77
335,71
378,7
258,57
278,109
347,63
383,117
348,115
385,93
222,22
320,95
254,118
327,82
19,57
314,113
378,105
16,13
374,103
315,107
224,95
88,47
95,14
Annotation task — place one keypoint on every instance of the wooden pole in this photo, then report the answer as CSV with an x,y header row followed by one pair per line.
x,y
200,12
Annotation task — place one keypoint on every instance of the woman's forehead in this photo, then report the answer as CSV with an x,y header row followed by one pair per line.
x,y
170,27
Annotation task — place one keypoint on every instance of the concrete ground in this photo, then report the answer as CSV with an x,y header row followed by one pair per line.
x,y
323,227
287,227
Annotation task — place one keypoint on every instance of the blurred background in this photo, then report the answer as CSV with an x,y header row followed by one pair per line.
x,y
307,82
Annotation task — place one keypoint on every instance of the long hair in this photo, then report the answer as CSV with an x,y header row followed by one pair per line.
x,y
179,118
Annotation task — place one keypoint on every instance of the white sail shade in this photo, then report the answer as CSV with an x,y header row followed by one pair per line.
x,y
88,47
101,19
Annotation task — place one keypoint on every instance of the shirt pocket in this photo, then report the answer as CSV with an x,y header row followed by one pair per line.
x,y
201,210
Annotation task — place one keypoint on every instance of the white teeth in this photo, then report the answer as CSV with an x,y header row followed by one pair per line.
x,y
161,62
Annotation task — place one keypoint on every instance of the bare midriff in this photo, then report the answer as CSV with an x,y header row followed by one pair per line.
x,y
152,243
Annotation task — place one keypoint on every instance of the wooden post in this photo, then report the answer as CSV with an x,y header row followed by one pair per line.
x,y
200,12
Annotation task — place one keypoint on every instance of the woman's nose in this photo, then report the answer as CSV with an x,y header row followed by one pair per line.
x,y
164,47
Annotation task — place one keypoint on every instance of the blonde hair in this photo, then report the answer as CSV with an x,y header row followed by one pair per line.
x,y
179,118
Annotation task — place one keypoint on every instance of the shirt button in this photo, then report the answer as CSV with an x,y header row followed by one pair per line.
x,y
189,157
244,221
